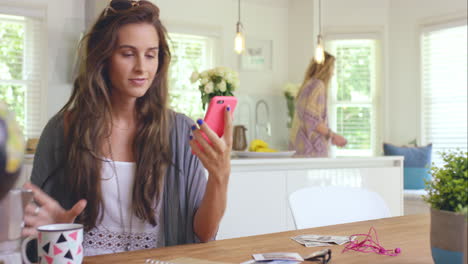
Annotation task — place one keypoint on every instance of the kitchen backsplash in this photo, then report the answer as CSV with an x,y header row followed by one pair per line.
x,y
265,117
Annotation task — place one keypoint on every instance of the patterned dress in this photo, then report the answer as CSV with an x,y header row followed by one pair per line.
x,y
311,110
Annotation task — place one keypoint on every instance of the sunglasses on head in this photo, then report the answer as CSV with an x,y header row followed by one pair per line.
x,y
120,5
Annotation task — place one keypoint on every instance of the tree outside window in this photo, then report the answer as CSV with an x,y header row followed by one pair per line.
x,y
189,53
12,92
21,70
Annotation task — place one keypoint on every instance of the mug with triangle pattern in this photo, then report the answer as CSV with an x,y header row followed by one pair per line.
x,y
58,244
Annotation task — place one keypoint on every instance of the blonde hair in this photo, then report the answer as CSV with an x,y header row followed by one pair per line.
x,y
319,71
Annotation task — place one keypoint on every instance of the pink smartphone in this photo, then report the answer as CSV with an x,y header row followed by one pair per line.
x,y
215,114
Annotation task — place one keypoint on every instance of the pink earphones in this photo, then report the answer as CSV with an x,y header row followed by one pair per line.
x,y
368,245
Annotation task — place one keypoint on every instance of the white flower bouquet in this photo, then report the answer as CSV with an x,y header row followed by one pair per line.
x,y
290,92
291,89
220,81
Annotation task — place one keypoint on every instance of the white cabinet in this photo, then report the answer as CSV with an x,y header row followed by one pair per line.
x,y
259,189
256,204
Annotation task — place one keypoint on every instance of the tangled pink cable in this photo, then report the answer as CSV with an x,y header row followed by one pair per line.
x,y
368,245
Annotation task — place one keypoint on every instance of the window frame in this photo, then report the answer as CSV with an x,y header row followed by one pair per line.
x,y
434,24
375,103
213,34
211,53
37,13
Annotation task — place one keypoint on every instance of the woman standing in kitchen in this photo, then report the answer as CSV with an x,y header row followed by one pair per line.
x,y
116,159
310,134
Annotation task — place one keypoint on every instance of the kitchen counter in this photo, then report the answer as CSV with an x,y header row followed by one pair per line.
x,y
315,163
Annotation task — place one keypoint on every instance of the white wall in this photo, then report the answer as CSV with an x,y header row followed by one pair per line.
x,y
63,20
404,96
302,37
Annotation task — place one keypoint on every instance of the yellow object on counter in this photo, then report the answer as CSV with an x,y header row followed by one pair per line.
x,y
258,145
266,150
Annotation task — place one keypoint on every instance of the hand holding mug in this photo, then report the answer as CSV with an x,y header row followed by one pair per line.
x,y
47,211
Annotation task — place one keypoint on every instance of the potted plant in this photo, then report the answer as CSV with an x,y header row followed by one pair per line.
x,y
220,81
448,198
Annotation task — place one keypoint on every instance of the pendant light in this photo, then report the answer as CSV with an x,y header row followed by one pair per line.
x,y
239,41
319,51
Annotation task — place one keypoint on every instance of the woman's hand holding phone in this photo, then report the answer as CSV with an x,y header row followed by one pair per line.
x,y
214,151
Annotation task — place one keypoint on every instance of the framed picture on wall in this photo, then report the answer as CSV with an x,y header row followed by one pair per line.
x,y
257,55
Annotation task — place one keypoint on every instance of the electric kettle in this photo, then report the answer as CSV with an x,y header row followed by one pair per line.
x,y
239,141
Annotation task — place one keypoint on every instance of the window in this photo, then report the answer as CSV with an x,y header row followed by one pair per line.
x,y
352,98
20,74
444,87
189,53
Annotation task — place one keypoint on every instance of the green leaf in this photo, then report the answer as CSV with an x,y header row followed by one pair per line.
x,y
448,190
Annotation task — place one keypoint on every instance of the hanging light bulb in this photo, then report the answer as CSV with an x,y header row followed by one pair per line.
x,y
239,40
319,52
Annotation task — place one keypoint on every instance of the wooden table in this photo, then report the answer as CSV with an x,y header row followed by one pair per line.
x,y
410,233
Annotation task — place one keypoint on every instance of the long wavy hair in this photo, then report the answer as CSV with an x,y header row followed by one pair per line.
x,y
319,71
88,118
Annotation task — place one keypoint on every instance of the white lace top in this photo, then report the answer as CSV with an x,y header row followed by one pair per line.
x,y
120,230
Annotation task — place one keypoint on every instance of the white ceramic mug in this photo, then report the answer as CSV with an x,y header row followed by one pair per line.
x,y
58,244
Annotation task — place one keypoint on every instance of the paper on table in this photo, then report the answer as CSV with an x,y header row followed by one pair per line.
x,y
321,240
316,244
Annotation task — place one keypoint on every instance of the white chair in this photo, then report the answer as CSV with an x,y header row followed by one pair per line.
x,y
322,206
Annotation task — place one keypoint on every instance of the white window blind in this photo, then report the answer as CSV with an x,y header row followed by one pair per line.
x,y
444,88
20,70
189,53
352,104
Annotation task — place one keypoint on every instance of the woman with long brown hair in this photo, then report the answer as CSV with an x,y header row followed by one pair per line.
x,y
116,159
310,132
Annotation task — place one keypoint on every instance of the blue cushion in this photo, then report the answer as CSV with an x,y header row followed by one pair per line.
x,y
416,165
441,256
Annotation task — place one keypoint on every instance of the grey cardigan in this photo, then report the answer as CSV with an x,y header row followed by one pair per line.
x,y
184,184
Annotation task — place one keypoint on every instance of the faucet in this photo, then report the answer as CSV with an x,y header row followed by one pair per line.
x,y
266,125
